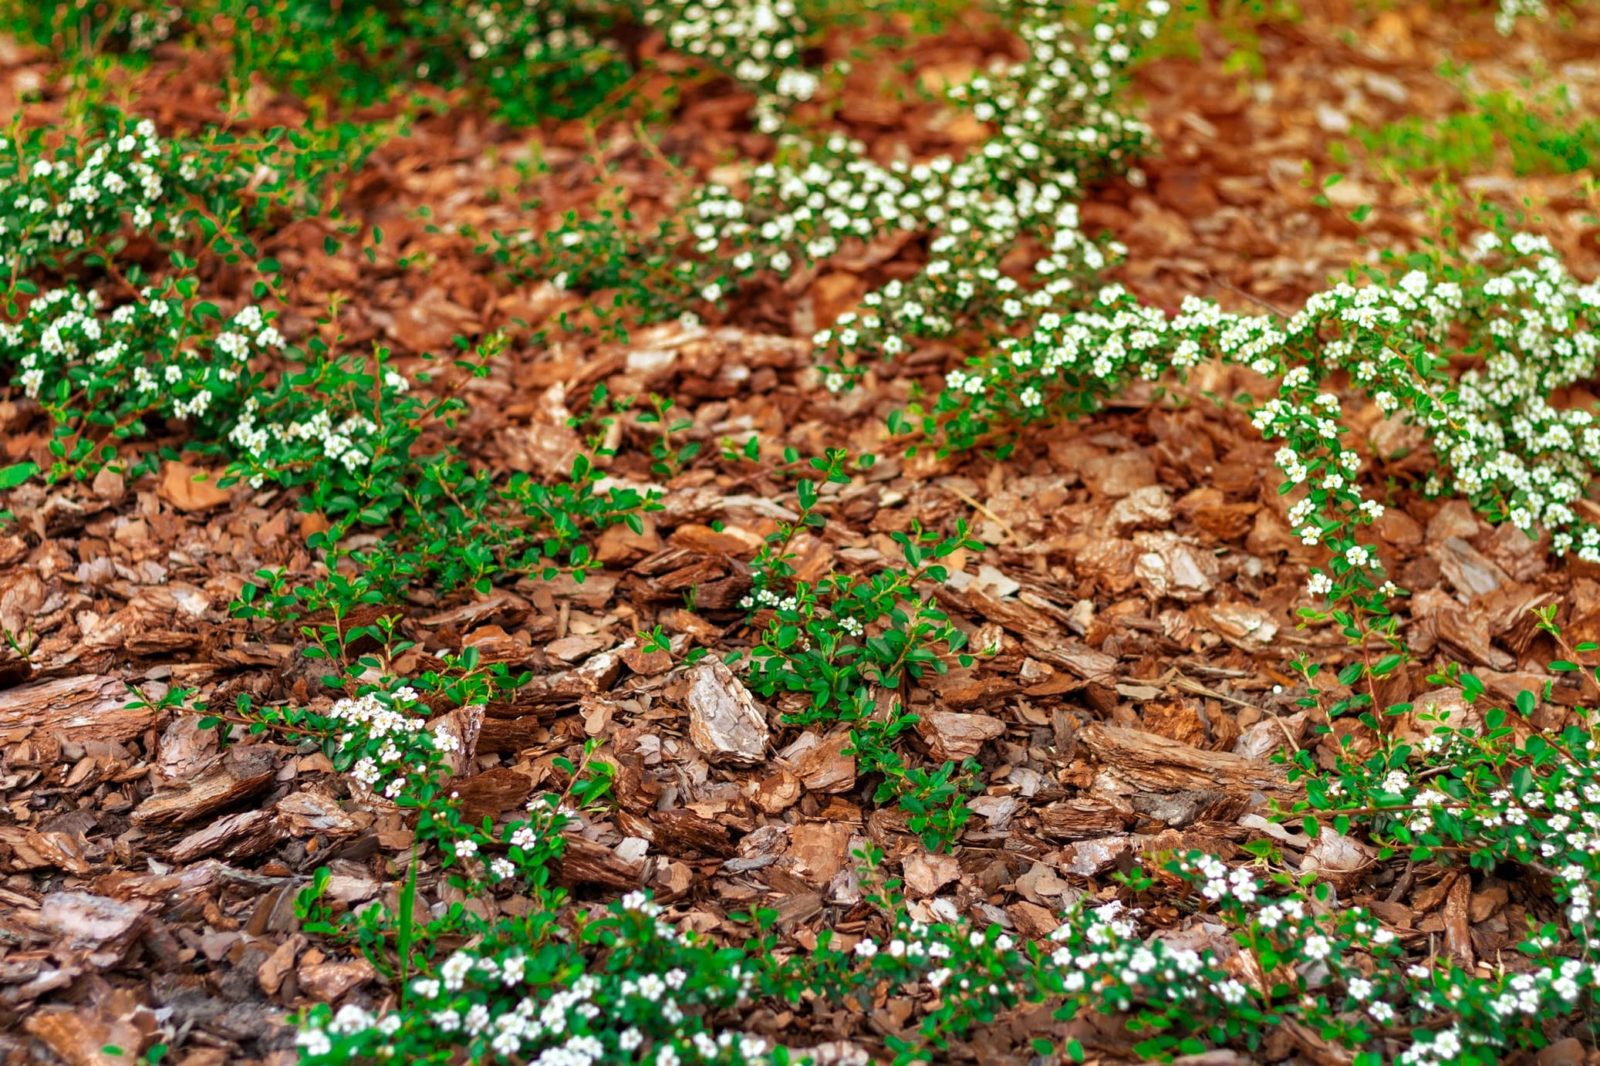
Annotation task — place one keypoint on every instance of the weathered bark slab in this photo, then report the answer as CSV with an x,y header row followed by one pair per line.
x,y
1153,763
243,773
724,721
85,707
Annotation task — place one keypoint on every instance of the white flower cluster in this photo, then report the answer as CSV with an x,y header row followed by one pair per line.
x,y
1525,322
63,200
765,597
146,29
1557,825
1338,969
758,42
316,1041
513,29
1509,11
516,39
1054,126
144,23
1331,942
1103,961
498,1000
143,358
393,741
338,442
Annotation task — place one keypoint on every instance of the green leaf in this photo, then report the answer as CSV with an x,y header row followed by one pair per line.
x,y
407,927
16,474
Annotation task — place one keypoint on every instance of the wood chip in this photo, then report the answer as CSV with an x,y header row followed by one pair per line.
x,y
951,735
725,723
245,772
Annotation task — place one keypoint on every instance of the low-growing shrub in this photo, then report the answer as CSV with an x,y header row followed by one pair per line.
x,y
834,644
1508,309
571,982
1056,124
551,58
112,360
129,340
1472,782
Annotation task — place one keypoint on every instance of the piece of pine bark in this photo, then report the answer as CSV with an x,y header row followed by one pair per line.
x,y
243,773
78,708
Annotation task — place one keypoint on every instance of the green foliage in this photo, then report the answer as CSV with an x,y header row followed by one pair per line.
x,y
129,339
1544,134
110,364
555,58
935,801
1474,782
830,648
1506,309
1237,22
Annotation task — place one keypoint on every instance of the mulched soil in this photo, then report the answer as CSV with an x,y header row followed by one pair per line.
x,y
1140,579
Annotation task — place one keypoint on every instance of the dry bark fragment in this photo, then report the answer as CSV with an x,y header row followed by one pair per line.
x,y
1084,817
103,927
82,707
304,813
1440,708
818,851
681,829
271,974
826,768
952,735
492,793
724,722
1076,657
243,773
1156,764
1457,927
926,873
777,793
238,836
1169,567
595,676
33,850
80,1038
588,863
1090,857
327,981
190,489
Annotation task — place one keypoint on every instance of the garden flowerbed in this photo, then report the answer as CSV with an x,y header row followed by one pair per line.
x,y
750,532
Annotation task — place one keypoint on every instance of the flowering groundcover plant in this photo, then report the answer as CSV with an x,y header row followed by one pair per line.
x,y
1509,306
1058,125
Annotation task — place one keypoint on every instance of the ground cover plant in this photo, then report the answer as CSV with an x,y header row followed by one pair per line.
x,y
760,532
